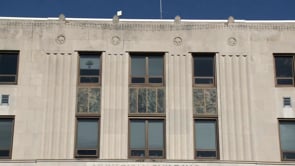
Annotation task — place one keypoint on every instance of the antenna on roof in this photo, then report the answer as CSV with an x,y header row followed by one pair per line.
x,y
161,10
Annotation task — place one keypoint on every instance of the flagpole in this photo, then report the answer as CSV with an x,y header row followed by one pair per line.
x,y
161,11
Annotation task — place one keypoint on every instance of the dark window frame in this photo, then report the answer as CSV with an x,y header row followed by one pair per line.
x,y
146,77
12,118
146,149
94,54
275,69
13,53
196,54
216,139
76,155
279,135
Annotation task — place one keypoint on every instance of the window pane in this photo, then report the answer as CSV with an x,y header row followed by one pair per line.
x,y
137,134
155,136
8,63
138,153
6,133
287,134
161,100
7,78
205,131
285,81
155,80
87,134
137,80
206,154
151,97
132,100
94,100
138,66
4,153
87,152
204,65
155,65
155,153
204,80
89,65
284,66
142,100
288,155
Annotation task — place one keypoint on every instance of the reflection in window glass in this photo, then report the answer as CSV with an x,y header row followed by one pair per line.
x,y
287,138
155,143
89,68
204,68
146,138
87,137
146,68
6,133
137,133
284,70
8,67
205,139
155,65
138,66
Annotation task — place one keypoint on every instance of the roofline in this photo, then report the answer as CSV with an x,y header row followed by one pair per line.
x,y
146,20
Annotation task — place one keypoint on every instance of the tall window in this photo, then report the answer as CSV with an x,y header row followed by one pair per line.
x,y
87,139
206,138
147,68
6,137
204,69
146,138
205,106
146,106
287,139
88,106
284,66
90,68
8,67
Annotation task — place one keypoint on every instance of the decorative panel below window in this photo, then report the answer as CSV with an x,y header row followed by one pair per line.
x,y
88,100
146,100
205,101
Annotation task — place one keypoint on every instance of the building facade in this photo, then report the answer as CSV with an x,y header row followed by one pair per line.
x,y
93,92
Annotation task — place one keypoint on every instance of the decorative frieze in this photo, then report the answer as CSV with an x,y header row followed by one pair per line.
x,y
151,26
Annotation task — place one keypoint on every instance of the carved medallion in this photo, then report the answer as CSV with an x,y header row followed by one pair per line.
x,y
177,41
116,40
60,39
232,41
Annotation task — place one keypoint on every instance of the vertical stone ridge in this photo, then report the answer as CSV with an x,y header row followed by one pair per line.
x,y
168,79
223,110
179,110
235,108
114,110
124,108
50,119
250,109
244,107
44,142
229,93
238,109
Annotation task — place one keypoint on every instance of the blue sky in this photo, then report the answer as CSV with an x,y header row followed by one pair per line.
x,y
149,9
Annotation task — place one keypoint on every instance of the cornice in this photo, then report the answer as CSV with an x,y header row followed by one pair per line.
x,y
148,26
